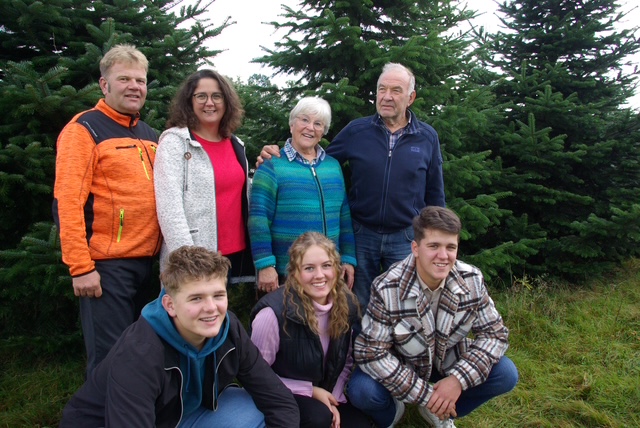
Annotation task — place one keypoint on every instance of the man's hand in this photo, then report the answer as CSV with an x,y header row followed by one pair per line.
x,y
87,285
348,273
330,401
268,279
267,152
445,395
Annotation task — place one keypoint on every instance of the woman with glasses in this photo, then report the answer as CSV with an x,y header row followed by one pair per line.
x,y
201,170
301,191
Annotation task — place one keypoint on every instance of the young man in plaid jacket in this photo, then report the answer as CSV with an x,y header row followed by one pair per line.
x,y
415,346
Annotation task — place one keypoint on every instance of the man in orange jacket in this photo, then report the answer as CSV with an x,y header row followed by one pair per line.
x,y
104,203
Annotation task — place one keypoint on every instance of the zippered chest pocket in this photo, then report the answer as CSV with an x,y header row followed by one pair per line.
x,y
125,162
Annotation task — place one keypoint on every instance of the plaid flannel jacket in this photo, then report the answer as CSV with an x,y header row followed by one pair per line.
x,y
401,341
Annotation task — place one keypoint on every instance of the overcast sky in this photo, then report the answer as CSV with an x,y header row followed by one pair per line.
x,y
242,40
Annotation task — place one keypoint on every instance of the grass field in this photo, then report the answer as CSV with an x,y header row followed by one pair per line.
x,y
577,350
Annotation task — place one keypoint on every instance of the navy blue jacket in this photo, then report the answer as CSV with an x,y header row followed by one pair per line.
x,y
390,187
139,383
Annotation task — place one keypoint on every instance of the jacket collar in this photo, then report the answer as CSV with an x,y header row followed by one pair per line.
x,y
410,287
410,128
455,281
126,120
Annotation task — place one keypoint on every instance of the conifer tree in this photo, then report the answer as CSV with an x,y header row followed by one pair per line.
x,y
266,115
336,49
49,69
574,146
49,72
35,299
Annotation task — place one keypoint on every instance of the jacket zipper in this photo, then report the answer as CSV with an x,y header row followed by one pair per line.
x,y
215,375
121,224
181,398
324,217
143,164
386,178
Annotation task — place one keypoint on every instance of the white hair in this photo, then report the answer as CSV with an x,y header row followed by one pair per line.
x,y
391,66
313,106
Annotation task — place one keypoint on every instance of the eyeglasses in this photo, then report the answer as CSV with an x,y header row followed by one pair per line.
x,y
305,121
202,97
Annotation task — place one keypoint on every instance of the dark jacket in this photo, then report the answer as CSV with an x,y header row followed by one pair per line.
x,y
300,355
389,188
139,383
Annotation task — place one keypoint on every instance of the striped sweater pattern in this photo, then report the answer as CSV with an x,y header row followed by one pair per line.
x,y
289,198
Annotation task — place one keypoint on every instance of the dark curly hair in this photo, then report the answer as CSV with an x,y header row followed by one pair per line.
x,y
182,115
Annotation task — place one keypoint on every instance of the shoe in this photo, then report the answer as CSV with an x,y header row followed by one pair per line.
x,y
433,420
399,411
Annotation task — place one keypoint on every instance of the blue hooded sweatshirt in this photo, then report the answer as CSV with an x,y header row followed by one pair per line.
x,y
192,361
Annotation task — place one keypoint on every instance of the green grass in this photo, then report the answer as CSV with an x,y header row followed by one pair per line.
x,y
577,350
578,354
34,391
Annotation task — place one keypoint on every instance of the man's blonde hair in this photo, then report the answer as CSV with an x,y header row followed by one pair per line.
x,y
127,54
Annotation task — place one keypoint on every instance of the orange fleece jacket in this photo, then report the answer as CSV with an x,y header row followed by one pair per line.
x,y
104,202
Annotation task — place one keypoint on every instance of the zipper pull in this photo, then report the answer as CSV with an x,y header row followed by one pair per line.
x,y
121,224
143,165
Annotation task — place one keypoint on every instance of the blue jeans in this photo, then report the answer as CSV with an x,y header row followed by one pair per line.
x,y
375,400
235,409
375,253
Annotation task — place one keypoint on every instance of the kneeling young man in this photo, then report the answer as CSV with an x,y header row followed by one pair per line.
x,y
176,364
414,345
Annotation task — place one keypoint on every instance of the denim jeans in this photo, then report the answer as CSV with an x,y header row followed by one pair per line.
x,y
375,400
235,409
375,253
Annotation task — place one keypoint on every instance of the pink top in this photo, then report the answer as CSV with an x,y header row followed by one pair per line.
x,y
229,178
265,335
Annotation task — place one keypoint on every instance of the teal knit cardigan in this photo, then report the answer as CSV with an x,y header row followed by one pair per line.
x,y
289,198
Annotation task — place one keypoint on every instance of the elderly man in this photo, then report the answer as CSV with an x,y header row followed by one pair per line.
x,y
431,335
104,203
396,170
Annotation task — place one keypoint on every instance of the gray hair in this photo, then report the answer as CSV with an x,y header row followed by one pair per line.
x,y
313,106
390,66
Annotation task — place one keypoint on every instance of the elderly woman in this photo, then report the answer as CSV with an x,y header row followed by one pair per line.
x,y
200,173
301,191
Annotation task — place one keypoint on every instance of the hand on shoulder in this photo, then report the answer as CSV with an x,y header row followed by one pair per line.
x,y
267,152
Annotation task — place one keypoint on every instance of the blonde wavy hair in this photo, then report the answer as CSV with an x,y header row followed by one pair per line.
x,y
339,294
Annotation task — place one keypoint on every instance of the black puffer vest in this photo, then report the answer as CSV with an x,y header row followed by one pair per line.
x,y
300,355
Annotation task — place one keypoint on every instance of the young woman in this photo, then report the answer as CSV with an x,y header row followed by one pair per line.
x,y
303,330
